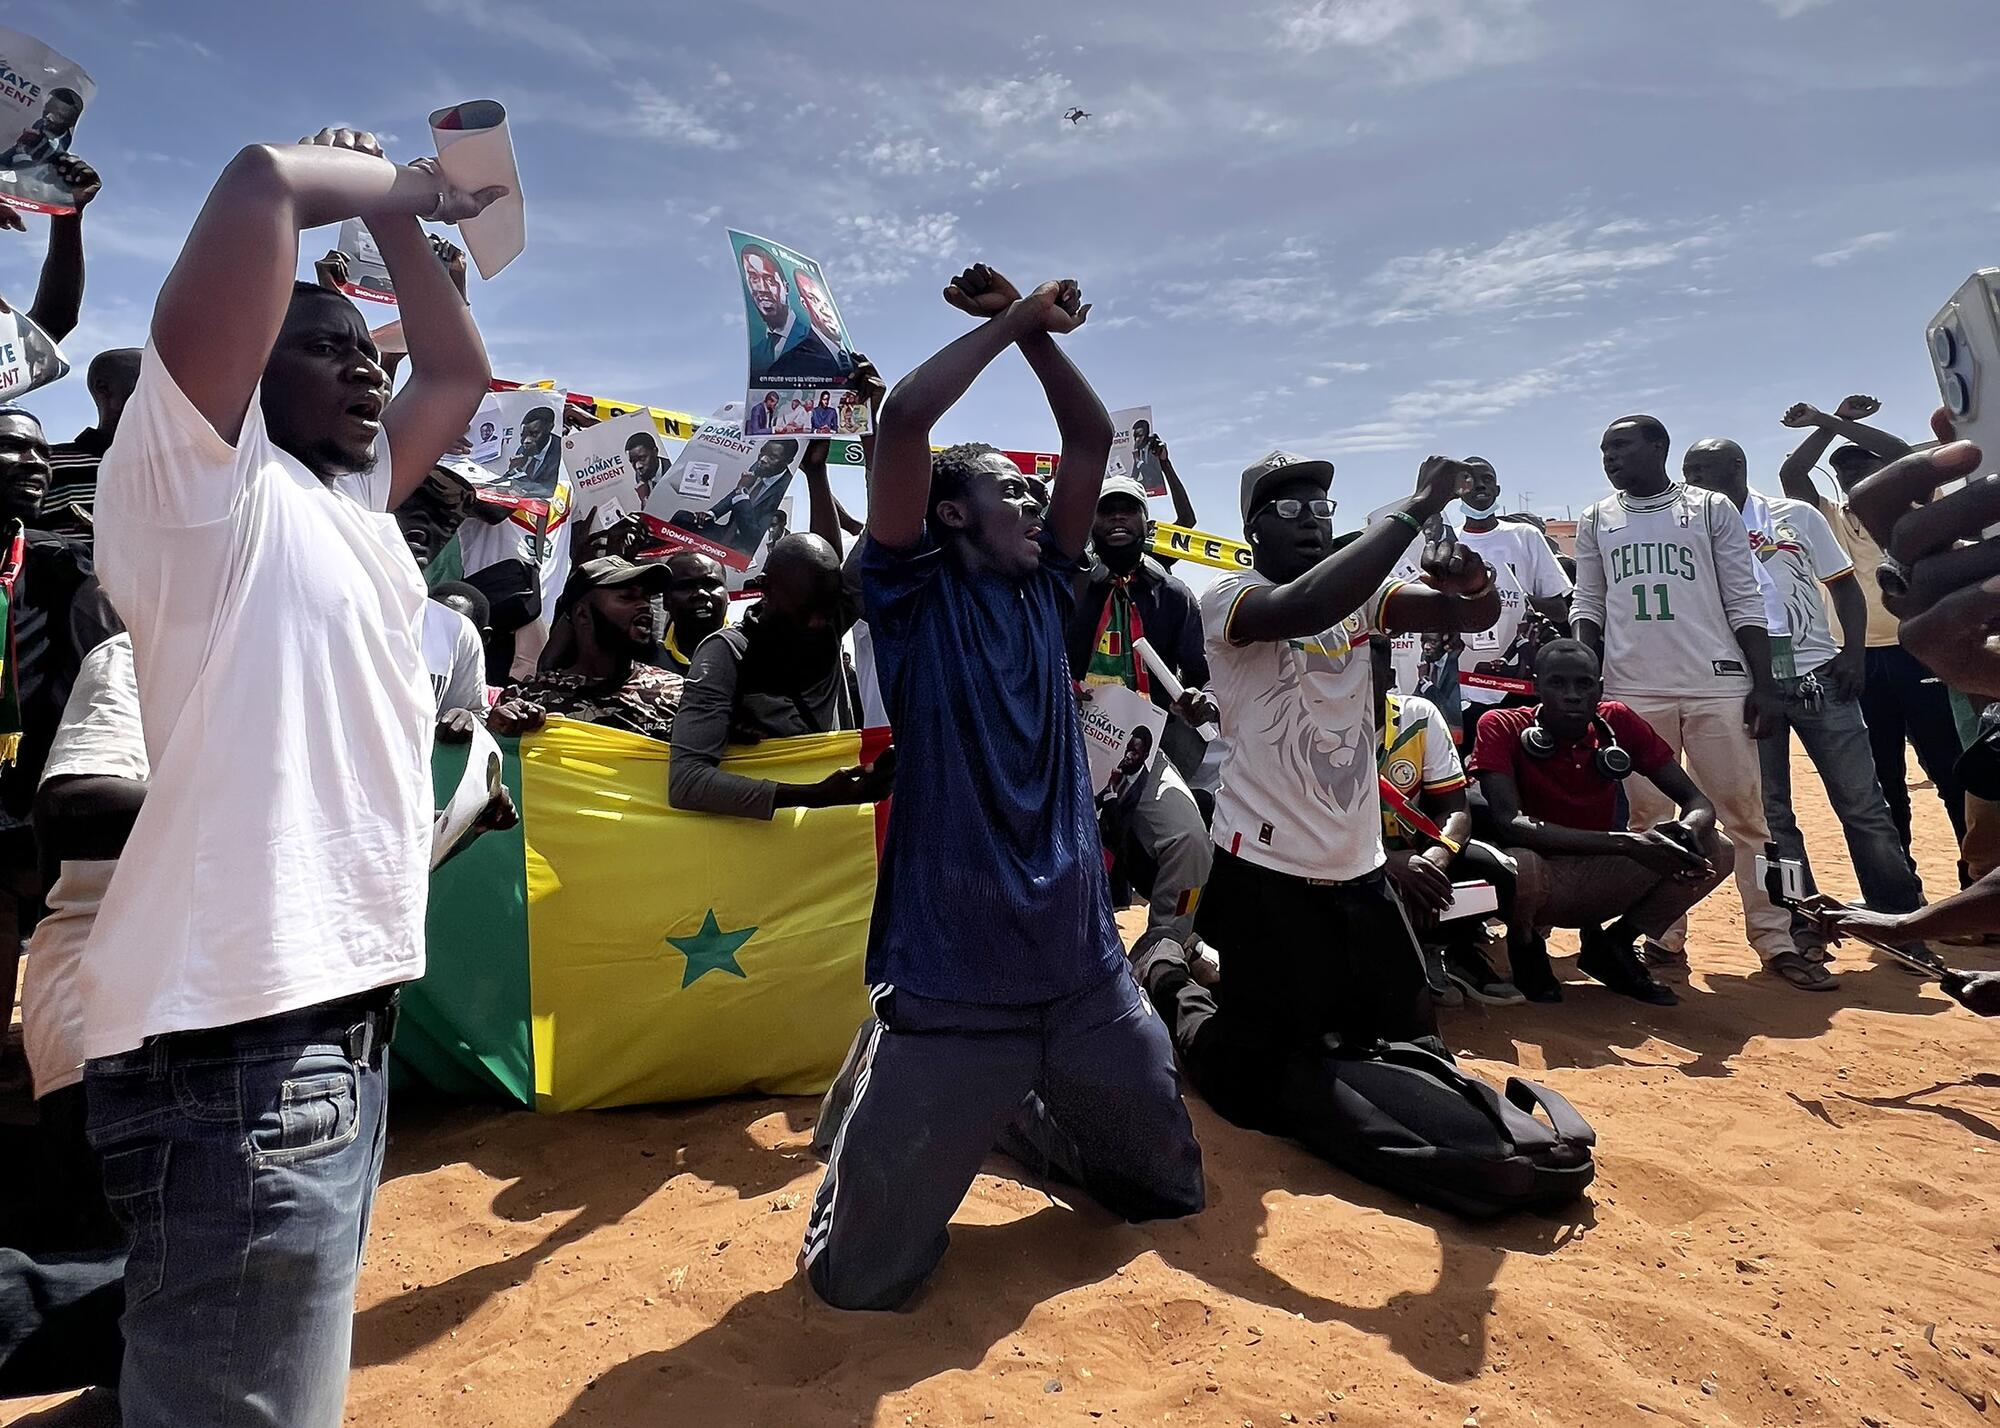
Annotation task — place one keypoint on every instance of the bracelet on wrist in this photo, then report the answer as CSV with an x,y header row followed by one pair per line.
x,y
1416,526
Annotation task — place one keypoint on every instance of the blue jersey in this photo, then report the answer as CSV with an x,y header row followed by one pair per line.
x,y
992,884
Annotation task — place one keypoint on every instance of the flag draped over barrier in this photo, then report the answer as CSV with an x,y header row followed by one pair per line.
x,y
613,951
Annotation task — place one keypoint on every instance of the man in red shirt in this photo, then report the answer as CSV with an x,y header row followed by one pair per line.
x,y
1549,775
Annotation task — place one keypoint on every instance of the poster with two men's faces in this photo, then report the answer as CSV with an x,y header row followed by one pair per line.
x,y
801,367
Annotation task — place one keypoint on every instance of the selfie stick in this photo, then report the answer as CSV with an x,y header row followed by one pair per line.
x,y
1818,910
1173,686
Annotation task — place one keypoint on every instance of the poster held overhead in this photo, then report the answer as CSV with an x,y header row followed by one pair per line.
x,y
801,366
28,359
725,491
42,96
367,275
475,151
516,445
1131,450
602,465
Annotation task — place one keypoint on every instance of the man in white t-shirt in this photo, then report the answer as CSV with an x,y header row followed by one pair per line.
x,y
1667,593
1314,941
1496,668
92,787
238,988
1820,685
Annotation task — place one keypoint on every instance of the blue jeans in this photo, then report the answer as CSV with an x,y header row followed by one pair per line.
x,y
1836,739
242,1163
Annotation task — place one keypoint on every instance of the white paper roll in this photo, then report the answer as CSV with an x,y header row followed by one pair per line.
x,y
475,151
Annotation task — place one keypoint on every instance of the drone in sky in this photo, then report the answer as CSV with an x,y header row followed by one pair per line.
x,y
1076,115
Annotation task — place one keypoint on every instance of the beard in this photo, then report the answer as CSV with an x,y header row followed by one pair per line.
x,y
618,639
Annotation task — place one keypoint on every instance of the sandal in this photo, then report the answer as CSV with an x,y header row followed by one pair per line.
x,y
1807,976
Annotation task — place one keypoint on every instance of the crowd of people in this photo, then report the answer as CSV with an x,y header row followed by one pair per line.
x,y
245,602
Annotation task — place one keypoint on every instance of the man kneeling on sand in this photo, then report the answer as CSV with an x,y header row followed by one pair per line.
x,y
1550,776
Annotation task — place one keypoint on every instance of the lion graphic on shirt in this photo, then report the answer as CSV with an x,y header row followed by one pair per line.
x,y
1311,720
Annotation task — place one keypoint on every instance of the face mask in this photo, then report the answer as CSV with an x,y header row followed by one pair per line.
x,y
1479,513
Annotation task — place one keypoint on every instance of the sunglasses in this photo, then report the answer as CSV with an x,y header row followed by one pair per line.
x,y
1288,509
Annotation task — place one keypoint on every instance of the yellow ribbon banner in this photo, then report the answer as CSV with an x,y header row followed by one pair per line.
x,y
1181,543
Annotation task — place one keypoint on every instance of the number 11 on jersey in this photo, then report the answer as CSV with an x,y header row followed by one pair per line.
x,y
1661,609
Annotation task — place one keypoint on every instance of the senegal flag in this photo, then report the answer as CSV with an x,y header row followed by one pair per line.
x,y
612,951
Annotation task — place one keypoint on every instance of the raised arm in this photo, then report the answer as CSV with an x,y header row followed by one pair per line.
x,y
1796,475
1183,506
1080,418
1340,584
823,509
222,305
449,372
899,482
59,294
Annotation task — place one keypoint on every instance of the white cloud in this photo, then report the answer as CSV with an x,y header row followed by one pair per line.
x,y
1248,301
874,251
530,25
1413,40
1792,9
654,115
903,156
1014,101
1533,271
1855,247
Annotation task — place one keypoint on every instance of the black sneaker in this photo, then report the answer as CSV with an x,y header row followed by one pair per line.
x,y
1444,991
1474,975
1618,967
1532,972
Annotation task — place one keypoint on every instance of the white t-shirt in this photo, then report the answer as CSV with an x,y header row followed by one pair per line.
x,y
100,736
454,659
1800,553
1669,579
1524,568
1298,723
282,857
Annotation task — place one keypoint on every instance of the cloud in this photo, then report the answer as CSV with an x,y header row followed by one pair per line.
x,y
1792,9
529,25
1246,301
907,157
1408,41
1533,271
654,115
878,251
1014,101
1855,247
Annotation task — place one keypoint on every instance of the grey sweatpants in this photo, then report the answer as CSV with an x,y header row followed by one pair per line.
x,y
1167,824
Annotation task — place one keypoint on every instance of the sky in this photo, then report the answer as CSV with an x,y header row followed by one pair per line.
x,y
1367,230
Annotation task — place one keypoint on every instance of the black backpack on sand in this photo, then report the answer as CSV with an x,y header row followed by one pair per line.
x,y
1408,1120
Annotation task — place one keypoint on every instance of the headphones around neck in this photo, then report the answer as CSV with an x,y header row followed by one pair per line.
x,y
1609,758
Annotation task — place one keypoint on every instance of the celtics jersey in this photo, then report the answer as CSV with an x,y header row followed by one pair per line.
x,y
1669,579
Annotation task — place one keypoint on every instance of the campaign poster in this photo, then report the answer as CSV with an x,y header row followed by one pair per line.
x,y
1121,731
616,462
367,274
1132,450
515,439
42,96
800,361
27,358
725,491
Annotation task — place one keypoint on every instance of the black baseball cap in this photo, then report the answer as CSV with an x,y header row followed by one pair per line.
x,y
608,571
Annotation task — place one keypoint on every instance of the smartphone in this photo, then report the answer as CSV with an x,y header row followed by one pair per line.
x,y
1964,343
1783,879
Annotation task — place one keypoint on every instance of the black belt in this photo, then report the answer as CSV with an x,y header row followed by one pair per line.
x,y
365,1022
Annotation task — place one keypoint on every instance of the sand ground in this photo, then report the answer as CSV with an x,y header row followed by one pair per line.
x,y
1796,1221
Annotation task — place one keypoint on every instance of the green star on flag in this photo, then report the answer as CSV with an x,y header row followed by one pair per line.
x,y
711,949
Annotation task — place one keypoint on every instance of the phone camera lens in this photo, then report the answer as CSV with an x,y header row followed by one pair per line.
x,y
1957,398
1944,346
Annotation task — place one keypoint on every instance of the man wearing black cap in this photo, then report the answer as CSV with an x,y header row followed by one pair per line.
x,y
1314,942
594,668
1126,597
